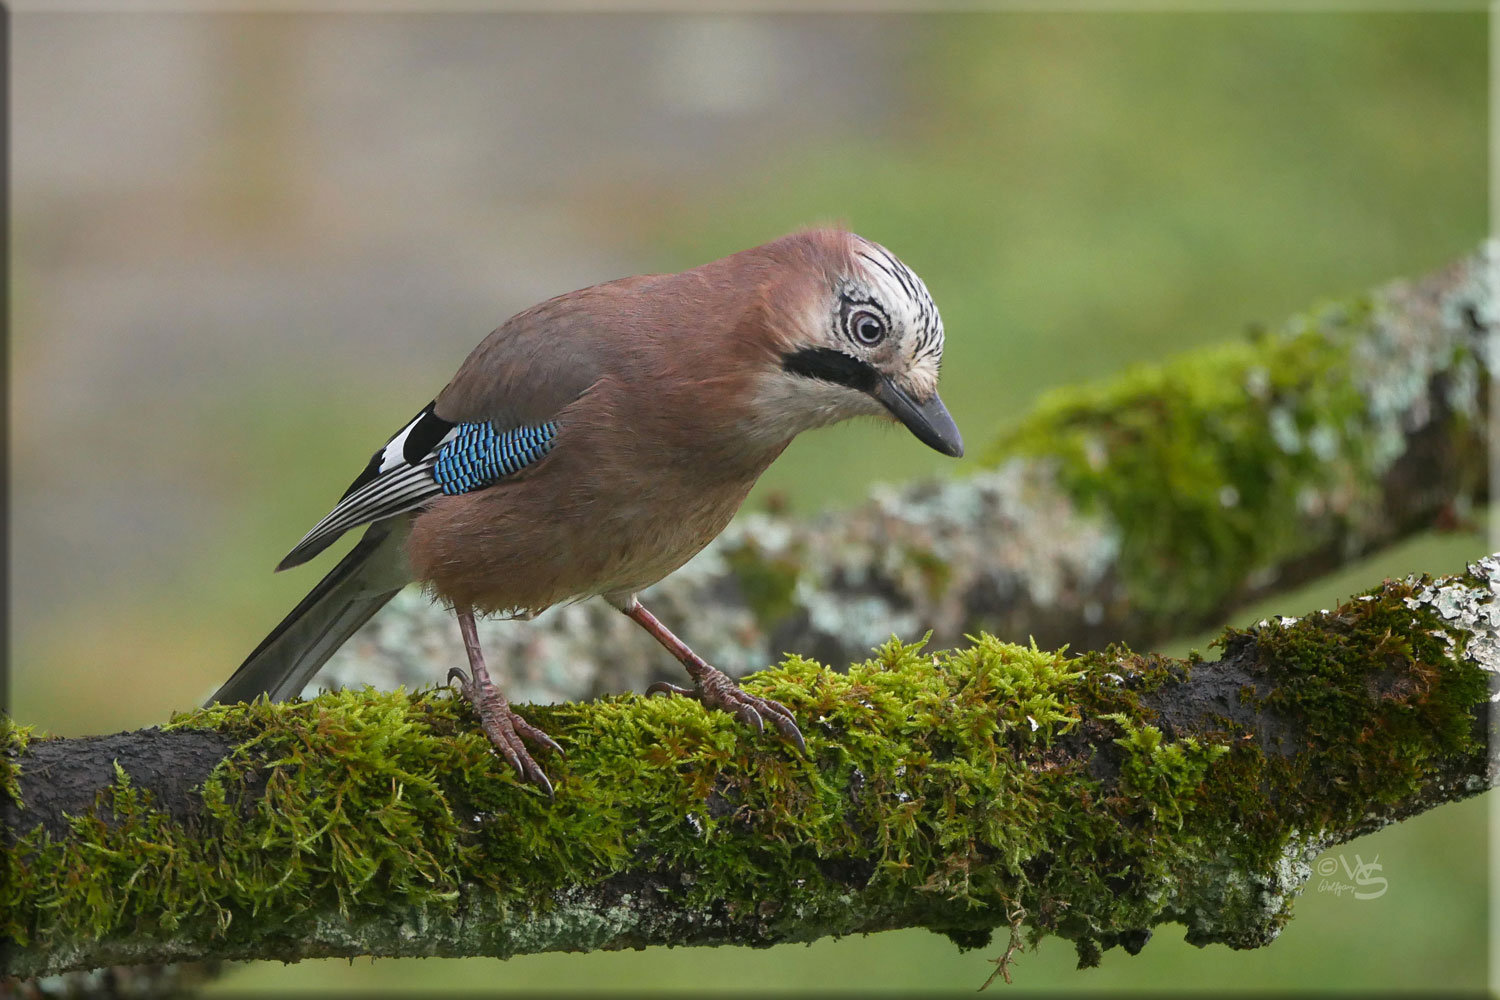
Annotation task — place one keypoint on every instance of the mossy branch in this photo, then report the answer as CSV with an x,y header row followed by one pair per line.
x,y
1091,797
1132,509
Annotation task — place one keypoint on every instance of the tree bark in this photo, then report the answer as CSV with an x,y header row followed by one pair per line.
x,y
1138,508
1092,797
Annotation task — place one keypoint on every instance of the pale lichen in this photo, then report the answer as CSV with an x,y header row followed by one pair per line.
x,y
1470,608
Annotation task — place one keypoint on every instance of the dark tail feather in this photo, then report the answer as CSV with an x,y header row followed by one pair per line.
x,y
371,574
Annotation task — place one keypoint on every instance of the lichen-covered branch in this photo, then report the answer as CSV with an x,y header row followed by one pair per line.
x,y
1132,509
1091,797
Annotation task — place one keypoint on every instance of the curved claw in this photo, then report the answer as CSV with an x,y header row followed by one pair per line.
x,y
662,687
527,770
537,776
509,745
506,731
716,690
747,714
780,716
779,710
785,722
535,736
787,727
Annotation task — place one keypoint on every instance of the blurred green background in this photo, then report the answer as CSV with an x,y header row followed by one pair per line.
x,y
246,248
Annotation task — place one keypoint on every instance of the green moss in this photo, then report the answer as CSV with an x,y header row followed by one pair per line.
x,y
914,779
125,863
14,739
1357,708
1209,463
1163,773
353,809
1376,689
946,789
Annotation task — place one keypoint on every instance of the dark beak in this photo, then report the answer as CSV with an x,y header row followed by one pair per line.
x,y
929,421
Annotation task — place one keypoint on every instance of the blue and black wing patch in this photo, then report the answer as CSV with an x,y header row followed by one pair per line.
x,y
480,455
429,457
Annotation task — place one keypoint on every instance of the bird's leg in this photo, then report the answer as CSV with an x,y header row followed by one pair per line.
x,y
501,724
712,686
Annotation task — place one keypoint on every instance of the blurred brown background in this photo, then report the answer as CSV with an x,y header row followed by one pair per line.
x,y
248,247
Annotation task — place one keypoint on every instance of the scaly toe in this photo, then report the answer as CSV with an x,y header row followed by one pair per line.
x,y
506,730
714,689
503,734
535,736
781,717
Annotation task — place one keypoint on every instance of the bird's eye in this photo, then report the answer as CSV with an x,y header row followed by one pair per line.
x,y
867,328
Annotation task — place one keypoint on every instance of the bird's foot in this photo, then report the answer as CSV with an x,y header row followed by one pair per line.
x,y
506,729
715,689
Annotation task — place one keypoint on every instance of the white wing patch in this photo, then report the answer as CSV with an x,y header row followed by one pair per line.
x,y
398,478
393,455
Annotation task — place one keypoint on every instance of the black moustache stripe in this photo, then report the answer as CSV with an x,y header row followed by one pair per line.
x,y
830,365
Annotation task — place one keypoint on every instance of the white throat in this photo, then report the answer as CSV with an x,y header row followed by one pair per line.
x,y
786,404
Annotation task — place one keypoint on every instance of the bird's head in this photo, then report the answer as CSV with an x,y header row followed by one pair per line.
x,y
862,337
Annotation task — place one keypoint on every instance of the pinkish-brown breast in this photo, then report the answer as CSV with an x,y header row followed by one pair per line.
x,y
611,510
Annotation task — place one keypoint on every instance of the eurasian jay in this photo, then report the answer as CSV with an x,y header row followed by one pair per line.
x,y
595,442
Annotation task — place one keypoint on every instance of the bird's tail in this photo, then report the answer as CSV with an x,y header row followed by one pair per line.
x,y
371,574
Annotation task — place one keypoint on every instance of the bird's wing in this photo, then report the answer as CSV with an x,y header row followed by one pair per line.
x,y
430,456
544,358
496,417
